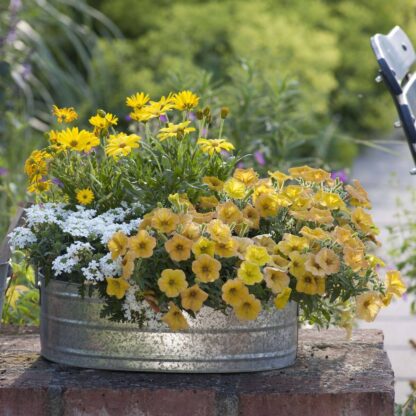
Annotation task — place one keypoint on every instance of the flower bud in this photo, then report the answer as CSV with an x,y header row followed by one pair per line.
x,y
101,113
207,111
224,112
199,115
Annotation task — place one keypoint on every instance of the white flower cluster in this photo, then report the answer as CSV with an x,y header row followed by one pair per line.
x,y
72,257
21,238
97,271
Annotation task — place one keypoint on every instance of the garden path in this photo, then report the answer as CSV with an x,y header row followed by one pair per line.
x,y
386,178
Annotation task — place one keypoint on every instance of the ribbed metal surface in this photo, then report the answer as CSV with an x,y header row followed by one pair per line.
x,y
73,333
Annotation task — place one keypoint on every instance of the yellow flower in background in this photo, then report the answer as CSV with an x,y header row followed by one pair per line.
x,y
313,267
116,287
229,213
294,191
252,215
328,261
202,217
118,245
226,248
85,196
185,100
208,202
375,261
172,282
213,183
314,233
191,231
248,309
142,115
64,115
175,130
164,220
359,196
310,174
310,285
257,255
362,220
121,144
266,241
235,189
301,203
368,305
280,177
203,246
193,298
36,165
355,258
276,279
137,100
395,284
321,216
127,265
249,273
291,243
329,200
248,176
279,261
263,186
103,122
76,140
175,319
234,292
281,300
179,247
297,264
206,268
219,231
39,187
212,146
142,244
267,205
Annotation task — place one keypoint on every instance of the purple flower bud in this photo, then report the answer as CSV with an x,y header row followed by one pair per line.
x,y
57,182
127,117
163,118
191,116
340,174
240,165
259,156
3,171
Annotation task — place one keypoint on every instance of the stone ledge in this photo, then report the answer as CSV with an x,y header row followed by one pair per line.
x,y
331,377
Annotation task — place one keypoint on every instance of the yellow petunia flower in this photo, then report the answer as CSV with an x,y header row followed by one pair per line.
x,y
185,100
342,235
328,261
362,220
276,279
359,196
226,248
249,273
243,244
219,231
310,285
395,284
164,220
297,264
291,243
354,258
234,291
252,215
248,176
368,305
329,200
118,245
203,246
213,183
310,174
263,186
175,319
293,192
179,247
214,146
116,287
191,231
85,196
257,255
142,244
79,141
235,189
175,130
208,202
313,267
121,144
206,268
193,298
64,115
280,177
138,100
202,217
314,233
172,282
229,213
267,205
127,265
248,309
279,261
320,216
266,241
281,300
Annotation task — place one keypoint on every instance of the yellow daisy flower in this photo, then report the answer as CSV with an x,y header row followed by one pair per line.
x,y
172,282
175,319
175,130
212,146
213,183
234,291
193,298
368,305
142,115
142,244
137,100
248,309
39,187
116,287
103,122
206,268
203,246
281,300
276,279
79,141
235,189
164,220
64,115
161,107
185,100
179,247
121,144
118,245
85,196
249,273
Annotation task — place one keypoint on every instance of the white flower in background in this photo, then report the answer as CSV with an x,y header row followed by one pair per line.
x,y
21,238
93,272
48,213
63,264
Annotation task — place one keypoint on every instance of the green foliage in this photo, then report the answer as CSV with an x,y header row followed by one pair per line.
x,y
22,296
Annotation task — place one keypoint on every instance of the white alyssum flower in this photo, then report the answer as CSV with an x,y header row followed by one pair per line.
x,y
110,268
67,262
93,272
21,237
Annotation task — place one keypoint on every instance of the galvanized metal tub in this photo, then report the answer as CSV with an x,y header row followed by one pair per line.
x,y
73,333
